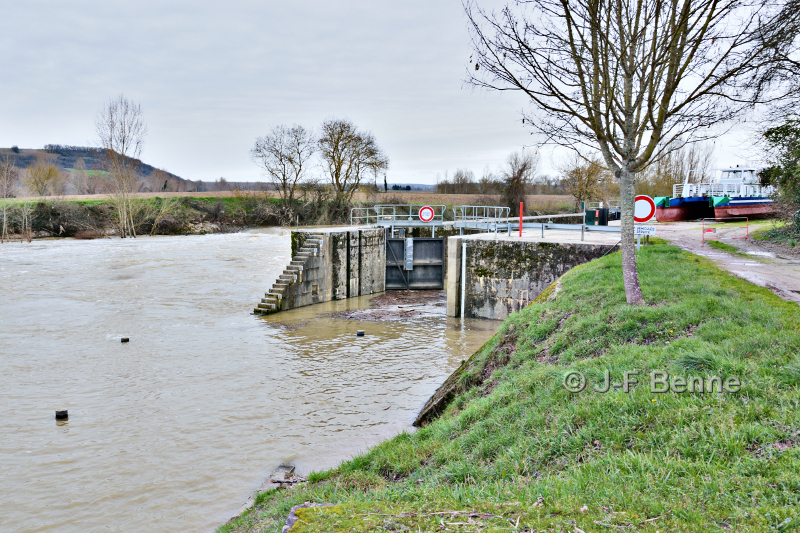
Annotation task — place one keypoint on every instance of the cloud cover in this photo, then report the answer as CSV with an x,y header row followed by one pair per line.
x,y
212,76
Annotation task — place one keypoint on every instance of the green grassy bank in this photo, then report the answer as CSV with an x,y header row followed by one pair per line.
x,y
515,451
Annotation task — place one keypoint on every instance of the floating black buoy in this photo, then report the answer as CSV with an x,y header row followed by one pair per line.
x,y
125,339
360,333
61,414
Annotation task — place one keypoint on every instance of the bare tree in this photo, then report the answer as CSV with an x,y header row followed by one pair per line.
x,y
80,177
348,156
121,131
8,181
517,176
25,213
157,181
167,207
87,181
284,155
43,177
692,160
462,182
584,177
631,77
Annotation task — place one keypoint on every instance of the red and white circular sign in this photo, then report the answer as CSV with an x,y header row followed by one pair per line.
x,y
426,213
644,208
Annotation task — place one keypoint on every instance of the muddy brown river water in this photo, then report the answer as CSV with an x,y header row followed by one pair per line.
x,y
174,430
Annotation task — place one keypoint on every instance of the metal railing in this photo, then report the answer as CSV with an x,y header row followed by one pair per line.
x,y
396,215
473,217
363,216
613,204
733,190
549,225
494,219
484,217
713,230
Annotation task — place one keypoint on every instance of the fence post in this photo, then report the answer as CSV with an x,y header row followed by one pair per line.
x,y
583,222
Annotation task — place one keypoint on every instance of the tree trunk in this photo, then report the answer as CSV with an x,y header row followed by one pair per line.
x,y
630,276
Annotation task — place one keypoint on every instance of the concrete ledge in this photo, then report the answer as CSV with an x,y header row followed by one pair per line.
x,y
497,277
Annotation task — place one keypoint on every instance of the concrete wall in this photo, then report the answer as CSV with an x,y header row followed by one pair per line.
x,y
504,276
357,262
329,265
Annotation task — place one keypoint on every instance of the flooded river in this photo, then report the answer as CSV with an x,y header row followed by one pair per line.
x,y
174,430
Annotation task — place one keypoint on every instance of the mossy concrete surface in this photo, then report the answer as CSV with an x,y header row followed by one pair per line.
x,y
503,276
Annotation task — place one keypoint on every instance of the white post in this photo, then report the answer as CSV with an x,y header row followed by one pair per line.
x,y
463,275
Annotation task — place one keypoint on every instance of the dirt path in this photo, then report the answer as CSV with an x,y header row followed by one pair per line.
x,y
776,271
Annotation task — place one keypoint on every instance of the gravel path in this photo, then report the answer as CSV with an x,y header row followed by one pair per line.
x,y
766,265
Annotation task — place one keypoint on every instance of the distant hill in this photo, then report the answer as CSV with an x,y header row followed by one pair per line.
x,y
66,158
152,179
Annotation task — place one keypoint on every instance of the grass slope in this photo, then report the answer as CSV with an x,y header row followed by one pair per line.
x,y
516,452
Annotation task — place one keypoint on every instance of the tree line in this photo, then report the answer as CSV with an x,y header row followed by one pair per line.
x,y
329,164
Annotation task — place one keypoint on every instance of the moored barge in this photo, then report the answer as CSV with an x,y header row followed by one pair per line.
x,y
732,192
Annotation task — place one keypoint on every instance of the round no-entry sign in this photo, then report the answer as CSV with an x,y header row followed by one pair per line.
x,y
426,213
644,208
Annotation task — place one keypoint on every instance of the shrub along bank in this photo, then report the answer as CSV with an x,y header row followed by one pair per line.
x,y
516,451
190,215
165,216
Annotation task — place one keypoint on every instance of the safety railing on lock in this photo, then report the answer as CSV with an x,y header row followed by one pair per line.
x,y
397,215
480,217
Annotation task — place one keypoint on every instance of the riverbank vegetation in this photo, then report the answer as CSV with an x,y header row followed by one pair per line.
x,y
27,218
515,451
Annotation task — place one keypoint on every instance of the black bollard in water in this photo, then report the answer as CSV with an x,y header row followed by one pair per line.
x,y
360,333
125,339
61,414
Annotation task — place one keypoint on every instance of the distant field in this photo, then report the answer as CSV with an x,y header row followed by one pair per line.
x,y
552,202
423,197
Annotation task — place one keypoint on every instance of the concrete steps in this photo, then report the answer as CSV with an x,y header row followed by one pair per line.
x,y
293,273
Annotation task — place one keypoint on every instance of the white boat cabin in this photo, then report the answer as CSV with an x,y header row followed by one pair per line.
x,y
733,182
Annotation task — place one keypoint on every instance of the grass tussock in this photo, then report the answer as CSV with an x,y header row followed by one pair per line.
x,y
527,455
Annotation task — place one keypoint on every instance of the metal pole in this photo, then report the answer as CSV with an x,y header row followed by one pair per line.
x,y
463,275
583,223
520,219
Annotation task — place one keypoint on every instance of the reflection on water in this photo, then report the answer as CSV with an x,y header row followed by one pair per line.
x,y
174,430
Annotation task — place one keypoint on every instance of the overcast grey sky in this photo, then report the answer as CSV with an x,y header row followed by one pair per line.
x,y
212,76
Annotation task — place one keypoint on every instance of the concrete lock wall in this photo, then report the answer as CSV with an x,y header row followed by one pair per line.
x,y
504,276
349,263
358,262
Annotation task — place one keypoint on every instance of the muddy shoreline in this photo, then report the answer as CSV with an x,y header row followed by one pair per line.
x,y
399,305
